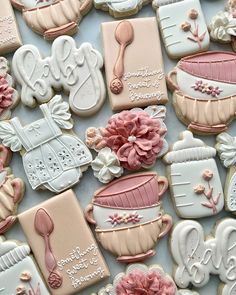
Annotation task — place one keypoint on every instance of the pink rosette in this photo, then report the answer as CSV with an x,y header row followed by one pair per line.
x,y
6,94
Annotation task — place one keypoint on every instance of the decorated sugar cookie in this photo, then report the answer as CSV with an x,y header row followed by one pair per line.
x,y
11,191
128,215
53,159
18,271
183,26
132,140
194,178
197,257
223,25
77,71
204,91
53,18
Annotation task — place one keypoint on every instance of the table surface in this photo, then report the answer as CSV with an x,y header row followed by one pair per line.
x,y
90,32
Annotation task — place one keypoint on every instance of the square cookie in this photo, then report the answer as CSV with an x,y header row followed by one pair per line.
x,y
133,62
63,245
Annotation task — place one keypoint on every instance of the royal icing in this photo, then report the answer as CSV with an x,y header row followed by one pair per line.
x,y
204,88
63,245
196,258
132,147
199,193
18,272
77,71
52,18
185,31
128,217
52,159
133,80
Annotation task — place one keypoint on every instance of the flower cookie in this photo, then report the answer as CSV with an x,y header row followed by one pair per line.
x,y
204,91
11,191
223,25
52,159
53,18
9,97
132,139
128,215
183,27
77,71
199,193
197,257
18,272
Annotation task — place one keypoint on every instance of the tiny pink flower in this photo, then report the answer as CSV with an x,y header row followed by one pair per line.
x,y
207,174
199,189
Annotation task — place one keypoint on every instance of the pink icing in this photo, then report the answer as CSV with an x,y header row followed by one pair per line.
x,y
135,137
150,283
6,94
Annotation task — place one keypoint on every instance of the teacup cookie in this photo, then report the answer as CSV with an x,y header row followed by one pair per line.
x,y
132,139
128,215
76,70
183,26
194,178
53,159
53,18
9,32
18,271
63,245
11,191
223,25
204,91
197,257
134,79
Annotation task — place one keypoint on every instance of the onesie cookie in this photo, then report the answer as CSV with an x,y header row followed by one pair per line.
x,y
18,271
197,257
63,245
194,178
53,18
53,159
11,191
77,71
204,91
183,26
134,79
132,140
128,215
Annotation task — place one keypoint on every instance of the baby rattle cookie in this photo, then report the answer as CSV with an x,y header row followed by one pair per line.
x,y
197,257
53,18
183,26
53,159
128,215
76,70
11,191
199,193
204,91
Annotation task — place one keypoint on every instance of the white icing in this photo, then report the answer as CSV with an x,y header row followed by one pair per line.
x,y
53,160
175,39
120,6
226,148
196,258
77,71
231,194
223,27
36,3
187,292
106,165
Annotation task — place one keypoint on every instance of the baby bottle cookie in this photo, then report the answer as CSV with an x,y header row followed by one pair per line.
x,y
18,271
183,26
128,216
53,159
194,178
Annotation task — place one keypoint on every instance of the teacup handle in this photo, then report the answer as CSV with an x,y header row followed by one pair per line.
x,y
164,182
172,82
167,224
88,213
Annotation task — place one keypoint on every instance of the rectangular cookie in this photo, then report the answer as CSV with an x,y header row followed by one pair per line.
x,y
63,244
10,37
133,62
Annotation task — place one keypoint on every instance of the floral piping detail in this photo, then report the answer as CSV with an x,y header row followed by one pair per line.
x,y
205,88
6,95
200,189
25,278
124,218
